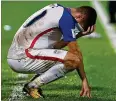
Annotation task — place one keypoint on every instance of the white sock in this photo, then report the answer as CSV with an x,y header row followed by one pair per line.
x,y
54,73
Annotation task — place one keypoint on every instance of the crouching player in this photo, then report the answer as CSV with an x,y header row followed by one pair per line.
x,y
36,47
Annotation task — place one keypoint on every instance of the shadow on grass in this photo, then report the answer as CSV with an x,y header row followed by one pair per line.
x,y
70,87
57,97
65,92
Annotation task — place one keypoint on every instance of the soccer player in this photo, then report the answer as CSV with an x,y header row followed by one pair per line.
x,y
36,47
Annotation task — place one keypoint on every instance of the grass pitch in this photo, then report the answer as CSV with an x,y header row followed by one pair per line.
x,y
99,59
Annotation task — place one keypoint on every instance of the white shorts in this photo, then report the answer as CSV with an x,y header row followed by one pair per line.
x,y
37,61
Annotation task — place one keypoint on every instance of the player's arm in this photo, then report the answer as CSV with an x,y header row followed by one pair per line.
x,y
67,26
89,31
74,48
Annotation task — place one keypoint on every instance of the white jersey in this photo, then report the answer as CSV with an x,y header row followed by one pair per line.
x,y
43,29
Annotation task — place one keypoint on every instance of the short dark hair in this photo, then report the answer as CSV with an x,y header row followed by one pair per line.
x,y
90,14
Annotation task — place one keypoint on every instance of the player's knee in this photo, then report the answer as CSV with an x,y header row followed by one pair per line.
x,y
72,63
76,63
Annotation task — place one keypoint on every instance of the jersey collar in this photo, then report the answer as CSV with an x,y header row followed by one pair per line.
x,y
77,24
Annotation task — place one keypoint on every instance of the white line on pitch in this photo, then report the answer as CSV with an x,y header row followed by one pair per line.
x,y
17,94
110,31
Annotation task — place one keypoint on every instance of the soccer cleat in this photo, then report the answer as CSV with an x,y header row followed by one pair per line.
x,y
33,92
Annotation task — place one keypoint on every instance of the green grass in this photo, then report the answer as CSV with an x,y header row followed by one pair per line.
x,y
105,5
99,59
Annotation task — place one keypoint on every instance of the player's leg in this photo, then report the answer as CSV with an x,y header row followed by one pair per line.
x,y
54,73
71,61
48,63
58,69
48,58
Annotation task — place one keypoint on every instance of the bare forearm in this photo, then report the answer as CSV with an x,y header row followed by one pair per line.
x,y
80,69
81,72
79,35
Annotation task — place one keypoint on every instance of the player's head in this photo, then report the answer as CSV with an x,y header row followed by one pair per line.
x,y
85,16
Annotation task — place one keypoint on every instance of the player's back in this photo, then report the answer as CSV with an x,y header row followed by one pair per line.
x,y
39,31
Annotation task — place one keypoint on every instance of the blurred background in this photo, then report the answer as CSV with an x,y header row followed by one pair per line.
x,y
98,52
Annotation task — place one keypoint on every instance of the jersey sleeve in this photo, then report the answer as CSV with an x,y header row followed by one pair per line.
x,y
66,25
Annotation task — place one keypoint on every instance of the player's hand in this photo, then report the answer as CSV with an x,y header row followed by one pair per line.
x,y
89,30
86,90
